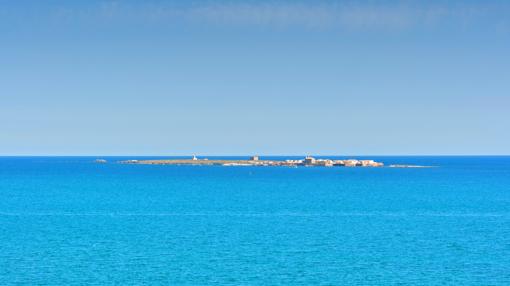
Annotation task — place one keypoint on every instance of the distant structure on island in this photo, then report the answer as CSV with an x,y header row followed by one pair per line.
x,y
254,158
309,160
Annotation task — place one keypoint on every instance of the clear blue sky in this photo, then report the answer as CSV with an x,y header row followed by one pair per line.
x,y
265,77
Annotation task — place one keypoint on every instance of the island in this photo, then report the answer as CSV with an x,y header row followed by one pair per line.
x,y
308,161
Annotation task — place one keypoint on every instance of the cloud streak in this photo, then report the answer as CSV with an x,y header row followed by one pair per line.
x,y
321,15
313,16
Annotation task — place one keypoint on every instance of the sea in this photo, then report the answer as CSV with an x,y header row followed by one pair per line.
x,y
72,221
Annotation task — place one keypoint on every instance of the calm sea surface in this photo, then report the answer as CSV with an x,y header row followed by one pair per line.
x,y
69,221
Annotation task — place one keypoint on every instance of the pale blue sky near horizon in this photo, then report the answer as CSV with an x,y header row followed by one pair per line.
x,y
254,77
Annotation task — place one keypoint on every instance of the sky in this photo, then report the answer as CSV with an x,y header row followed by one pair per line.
x,y
254,77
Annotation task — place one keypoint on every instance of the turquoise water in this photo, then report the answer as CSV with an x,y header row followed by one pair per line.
x,y
69,221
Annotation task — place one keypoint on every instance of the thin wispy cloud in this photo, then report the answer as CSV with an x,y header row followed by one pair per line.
x,y
329,15
265,14
320,16
347,15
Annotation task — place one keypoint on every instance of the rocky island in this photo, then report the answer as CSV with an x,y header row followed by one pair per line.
x,y
308,161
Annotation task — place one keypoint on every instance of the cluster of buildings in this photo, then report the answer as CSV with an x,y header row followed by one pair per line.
x,y
311,161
